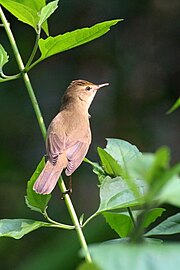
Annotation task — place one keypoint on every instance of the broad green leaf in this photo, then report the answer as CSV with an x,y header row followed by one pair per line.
x,y
121,223
69,40
154,169
113,256
17,228
36,202
3,57
47,11
150,166
110,165
122,151
169,226
26,11
175,106
170,192
116,194
166,177
159,164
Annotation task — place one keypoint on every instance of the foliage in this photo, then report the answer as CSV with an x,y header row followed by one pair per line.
x,y
175,106
34,201
132,185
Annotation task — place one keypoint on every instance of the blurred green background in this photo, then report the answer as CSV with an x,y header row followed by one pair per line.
x,y
139,58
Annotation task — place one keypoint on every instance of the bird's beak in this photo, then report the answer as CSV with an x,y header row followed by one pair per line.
x,y
102,85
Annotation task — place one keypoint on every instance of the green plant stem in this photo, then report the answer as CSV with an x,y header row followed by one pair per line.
x,y
137,235
75,221
34,50
59,225
131,216
10,77
43,130
24,74
90,218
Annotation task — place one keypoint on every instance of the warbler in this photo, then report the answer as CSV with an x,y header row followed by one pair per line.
x,y
68,135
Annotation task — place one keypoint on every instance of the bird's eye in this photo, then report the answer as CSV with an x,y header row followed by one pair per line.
x,y
88,88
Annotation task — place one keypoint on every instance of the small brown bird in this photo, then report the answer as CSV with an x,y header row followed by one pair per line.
x,y
69,135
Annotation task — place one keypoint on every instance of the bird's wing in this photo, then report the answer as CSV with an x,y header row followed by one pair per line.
x,y
69,142
55,147
75,155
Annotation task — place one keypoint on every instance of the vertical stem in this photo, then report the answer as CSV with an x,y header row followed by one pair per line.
x,y
75,221
43,130
137,235
131,216
24,74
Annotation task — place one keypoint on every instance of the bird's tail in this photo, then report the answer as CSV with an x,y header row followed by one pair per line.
x,y
49,176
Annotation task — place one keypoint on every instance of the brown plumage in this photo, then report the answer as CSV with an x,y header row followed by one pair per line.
x,y
68,136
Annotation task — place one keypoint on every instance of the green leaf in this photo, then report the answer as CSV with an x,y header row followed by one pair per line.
x,y
154,170
69,40
109,164
113,256
116,194
152,215
149,166
122,151
47,11
17,228
175,106
169,226
88,266
3,57
97,169
34,201
26,11
121,223
170,192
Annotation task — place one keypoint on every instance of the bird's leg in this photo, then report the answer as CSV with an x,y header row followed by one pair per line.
x,y
70,184
69,190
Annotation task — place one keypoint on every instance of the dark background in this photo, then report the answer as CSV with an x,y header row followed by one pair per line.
x,y
139,58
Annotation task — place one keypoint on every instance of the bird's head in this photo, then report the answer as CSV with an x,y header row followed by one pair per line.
x,y
83,91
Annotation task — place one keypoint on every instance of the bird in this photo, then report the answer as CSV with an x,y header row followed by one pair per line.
x,y
69,135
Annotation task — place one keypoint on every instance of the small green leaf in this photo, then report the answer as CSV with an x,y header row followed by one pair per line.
x,y
34,201
3,57
97,169
113,256
121,223
175,106
26,11
169,226
81,219
69,40
116,194
17,228
47,11
109,164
